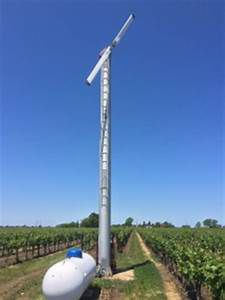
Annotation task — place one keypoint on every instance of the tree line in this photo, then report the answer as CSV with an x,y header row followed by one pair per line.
x,y
93,218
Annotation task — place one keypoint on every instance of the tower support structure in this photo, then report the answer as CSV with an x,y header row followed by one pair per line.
x,y
104,240
104,66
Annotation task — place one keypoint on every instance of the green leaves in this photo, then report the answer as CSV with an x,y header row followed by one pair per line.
x,y
199,254
13,239
122,235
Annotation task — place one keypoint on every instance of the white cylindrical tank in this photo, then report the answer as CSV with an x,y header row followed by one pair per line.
x,y
69,278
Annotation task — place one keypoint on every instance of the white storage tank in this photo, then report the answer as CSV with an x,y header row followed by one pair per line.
x,y
69,278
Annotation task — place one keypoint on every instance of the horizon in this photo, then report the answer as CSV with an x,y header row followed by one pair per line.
x,y
36,224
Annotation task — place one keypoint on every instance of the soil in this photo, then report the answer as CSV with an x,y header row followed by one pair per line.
x,y
110,294
172,290
124,276
9,289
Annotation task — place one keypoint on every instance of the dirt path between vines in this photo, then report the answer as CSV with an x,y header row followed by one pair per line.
x,y
171,290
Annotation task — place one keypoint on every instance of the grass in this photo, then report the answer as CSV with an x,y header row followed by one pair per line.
x,y
147,283
9,273
24,280
132,256
31,289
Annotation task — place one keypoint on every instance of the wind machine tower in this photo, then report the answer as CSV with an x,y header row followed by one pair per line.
x,y
104,65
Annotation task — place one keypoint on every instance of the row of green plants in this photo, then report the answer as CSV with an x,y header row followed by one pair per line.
x,y
122,235
195,256
17,240
41,241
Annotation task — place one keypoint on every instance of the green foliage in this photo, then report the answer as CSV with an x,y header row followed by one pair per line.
x,y
198,225
211,223
167,225
157,224
128,221
186,226
91,221
69,225
198,255
13,239
122,235
133,254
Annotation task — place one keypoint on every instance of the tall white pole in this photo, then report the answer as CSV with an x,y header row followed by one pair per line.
x,y
104,64
104,248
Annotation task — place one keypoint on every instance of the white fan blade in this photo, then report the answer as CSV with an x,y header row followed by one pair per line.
x,y
123,30
99,64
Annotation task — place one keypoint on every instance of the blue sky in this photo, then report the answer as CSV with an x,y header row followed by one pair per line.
x,y
167,93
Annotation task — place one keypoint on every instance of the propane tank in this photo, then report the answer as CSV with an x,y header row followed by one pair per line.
x,y
69,278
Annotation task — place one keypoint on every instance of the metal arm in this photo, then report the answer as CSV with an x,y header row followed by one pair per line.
x,y
99,64
108,50
123,30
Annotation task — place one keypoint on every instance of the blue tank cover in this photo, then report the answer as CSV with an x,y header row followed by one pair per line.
x,y
74,252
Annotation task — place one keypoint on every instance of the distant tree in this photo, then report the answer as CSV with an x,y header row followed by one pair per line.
x,y
186,226
68,225
198,225
149,224
143,224
128,221
157,224
90,221
167,225
211,223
